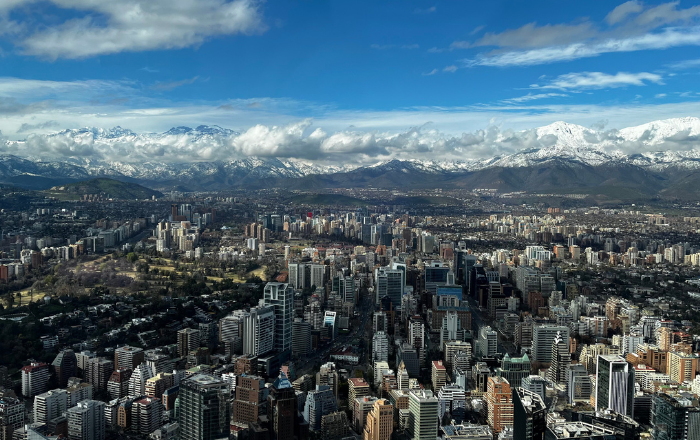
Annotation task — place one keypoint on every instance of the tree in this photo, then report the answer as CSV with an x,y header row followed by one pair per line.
x,y
132,257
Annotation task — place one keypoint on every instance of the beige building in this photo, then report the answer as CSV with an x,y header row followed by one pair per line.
x,y
380,421
681,367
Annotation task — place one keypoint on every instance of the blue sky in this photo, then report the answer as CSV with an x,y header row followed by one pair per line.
x,y
448,66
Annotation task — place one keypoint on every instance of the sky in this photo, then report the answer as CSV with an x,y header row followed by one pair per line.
x,y
360,80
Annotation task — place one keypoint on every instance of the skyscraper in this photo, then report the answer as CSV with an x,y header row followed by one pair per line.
x,y
202,408
35,379
50,405
249,399
675,417
529,415
614,385
259,331
319,403
561,359
280,297
301,338
542,338
380,421
423,415
187,340
282,409
500,404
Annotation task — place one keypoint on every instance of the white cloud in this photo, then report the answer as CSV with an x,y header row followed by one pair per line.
x,y
429,10
532,97
672,37
660,95
450,69
140,25
685,64
432,72
532,35
599,80
623,11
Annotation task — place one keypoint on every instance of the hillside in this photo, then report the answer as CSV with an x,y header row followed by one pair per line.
x,y
103,188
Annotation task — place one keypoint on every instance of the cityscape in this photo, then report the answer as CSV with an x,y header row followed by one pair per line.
x,y
289,220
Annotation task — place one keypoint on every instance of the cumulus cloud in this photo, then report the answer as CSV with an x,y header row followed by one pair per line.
x,y
139,25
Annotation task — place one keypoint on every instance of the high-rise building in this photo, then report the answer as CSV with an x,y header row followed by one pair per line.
x,y
282,409
409,356
328,375
529,415
146,415
357,387
681,367
391,283
380,421
137,380
514,369
11,414
542,338
65,365
579,386
452,398
319,403
423,415
416,337
488,341
360,409
280,297
675,417
86,421
128,357
334,425
187,340
330,321
259,331
156,385
118,383
380,346
98,372
231,331
318,275
561,359
50,405
614,385
201,408
159,362
301,338
249,399
500,404
35,379
438,375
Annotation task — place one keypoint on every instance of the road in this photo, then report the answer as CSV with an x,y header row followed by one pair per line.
x,y
479,320
308,364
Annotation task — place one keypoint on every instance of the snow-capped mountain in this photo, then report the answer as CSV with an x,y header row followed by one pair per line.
x,y
178,157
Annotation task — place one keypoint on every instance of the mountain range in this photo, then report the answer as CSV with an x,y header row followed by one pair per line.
x,y
658,159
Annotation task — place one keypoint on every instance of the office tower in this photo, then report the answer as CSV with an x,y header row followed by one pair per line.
x,y
380,346
423,415
282,409
391,283
249,399
416,337
319,403
514,369
334,426
402,377
296,276
280,297
65,365
500,404
452,348
675,417
86,421
50,405
128,357
146,415
330,321
259,331
360,409
409,356
231,331
488,342
681,367
542,338
301,338
187,340
529,415
452,399
438,375
380,421
578,384
137,381
202,408
118,383
35,379
318,275
357,387
347,289
561,359
614,385
328,375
